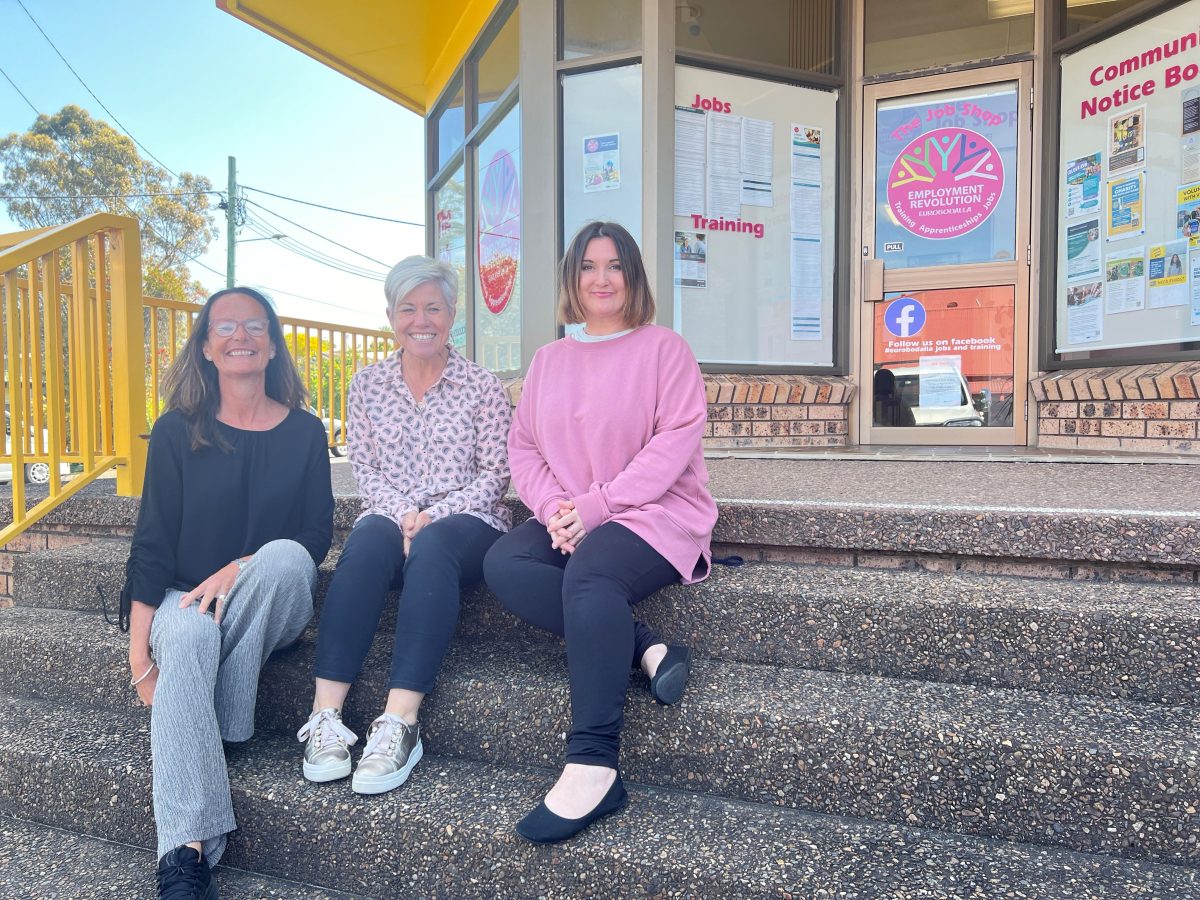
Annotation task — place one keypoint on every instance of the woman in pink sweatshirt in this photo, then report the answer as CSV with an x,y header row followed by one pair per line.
x,y
605,449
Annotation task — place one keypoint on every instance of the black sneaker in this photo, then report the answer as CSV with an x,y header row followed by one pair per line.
x,y
184,875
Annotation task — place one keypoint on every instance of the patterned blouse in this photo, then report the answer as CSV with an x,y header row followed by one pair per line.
x,y
447,454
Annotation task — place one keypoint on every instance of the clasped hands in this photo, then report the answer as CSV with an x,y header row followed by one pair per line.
x,y
566,528
410,524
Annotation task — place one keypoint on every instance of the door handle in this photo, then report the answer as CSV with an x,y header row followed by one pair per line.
x,y
872,280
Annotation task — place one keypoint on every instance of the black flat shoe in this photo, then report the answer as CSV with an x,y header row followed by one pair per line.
x,y
672,676
544,827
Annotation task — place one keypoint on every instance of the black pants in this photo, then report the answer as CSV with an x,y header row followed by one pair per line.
x,y
587,598
446,556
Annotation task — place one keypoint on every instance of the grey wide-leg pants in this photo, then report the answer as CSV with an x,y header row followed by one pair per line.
x,y
207,685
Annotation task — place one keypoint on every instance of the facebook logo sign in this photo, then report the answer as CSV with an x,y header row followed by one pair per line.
x,y
904,317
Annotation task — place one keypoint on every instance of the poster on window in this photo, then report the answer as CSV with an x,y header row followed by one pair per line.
x,y
1125,212
602,162
1083,185
1083,250
1127,141
691,259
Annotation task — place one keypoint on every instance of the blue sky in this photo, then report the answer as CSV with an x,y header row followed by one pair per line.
x,y
195,86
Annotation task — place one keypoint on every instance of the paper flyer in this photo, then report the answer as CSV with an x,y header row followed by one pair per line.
x,y
1189,164
758,136
1127,140
601,163
1083,185
806,154
1194,284
940,385
1083,250
691,259
806,288
1126,216
723,184
690,132
1125,281
757,191
1187,212
1167,273
1085,323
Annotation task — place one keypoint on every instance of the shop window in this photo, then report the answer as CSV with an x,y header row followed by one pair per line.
x,y
498,256
1128,279
907,35
591,28
755,222
798,34
497,67
451,246
449,124
602,149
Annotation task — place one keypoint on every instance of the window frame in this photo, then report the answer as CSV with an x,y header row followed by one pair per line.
x,y
466,156
1051,88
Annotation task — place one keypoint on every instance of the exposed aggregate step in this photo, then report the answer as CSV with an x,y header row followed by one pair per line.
x,y
38,862
1085,773
1121,640
448,832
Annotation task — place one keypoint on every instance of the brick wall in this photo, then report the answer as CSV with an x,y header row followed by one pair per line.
x,y
777,411
1147,409
49,537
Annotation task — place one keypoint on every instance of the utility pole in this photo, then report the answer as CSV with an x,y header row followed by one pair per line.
x,y
231,224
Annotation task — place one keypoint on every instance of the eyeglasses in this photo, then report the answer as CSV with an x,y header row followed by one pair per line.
x,y
227,327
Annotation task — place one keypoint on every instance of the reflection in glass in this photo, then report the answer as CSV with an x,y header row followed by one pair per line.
x,y
590,28
451,244
498,66
945,177
450,124
944,358
905,35
1083,14
498,219
798,35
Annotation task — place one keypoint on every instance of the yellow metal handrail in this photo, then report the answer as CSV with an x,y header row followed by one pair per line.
x,y
70,360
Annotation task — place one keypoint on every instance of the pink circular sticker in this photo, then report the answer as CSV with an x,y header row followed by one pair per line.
x,y
945,183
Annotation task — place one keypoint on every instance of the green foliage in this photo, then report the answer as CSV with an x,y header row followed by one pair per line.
x,y
76,165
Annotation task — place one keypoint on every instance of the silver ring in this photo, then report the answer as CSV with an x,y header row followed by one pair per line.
x,y
220,598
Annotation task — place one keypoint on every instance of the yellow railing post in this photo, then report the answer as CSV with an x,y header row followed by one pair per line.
x,y
128,359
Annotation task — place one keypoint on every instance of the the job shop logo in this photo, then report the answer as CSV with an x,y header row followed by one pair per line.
x,y
904,317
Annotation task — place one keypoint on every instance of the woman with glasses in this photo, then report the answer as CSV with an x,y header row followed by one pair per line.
x,y
426,433
236,515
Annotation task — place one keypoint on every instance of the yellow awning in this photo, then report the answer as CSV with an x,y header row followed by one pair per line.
x,y
404,49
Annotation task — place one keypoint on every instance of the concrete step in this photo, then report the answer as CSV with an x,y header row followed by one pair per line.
x,y
1096,775
38,861
448,832
1113,639
1144,515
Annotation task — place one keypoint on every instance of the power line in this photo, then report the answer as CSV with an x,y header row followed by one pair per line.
x,y
333,208
311,253
93,93
316,233
19,91
275,290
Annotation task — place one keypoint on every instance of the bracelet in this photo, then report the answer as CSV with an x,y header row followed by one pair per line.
x,y
138,681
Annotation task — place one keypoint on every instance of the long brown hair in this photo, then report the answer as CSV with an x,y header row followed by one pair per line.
x,y
192,386
639,301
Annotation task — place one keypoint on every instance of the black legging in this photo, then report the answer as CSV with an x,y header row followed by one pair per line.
x,y
587,598
446,556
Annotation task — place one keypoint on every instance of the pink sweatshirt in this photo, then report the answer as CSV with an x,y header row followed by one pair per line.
x,y
616,426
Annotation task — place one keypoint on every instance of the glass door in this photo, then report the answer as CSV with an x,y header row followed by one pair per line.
x,y
945,286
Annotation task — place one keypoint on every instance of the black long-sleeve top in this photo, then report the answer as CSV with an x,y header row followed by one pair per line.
x,y
202,509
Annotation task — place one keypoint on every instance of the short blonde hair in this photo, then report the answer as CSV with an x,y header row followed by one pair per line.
x,y
639,301
412,272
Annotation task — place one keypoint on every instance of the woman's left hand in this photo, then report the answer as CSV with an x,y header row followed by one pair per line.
x,y
213,589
